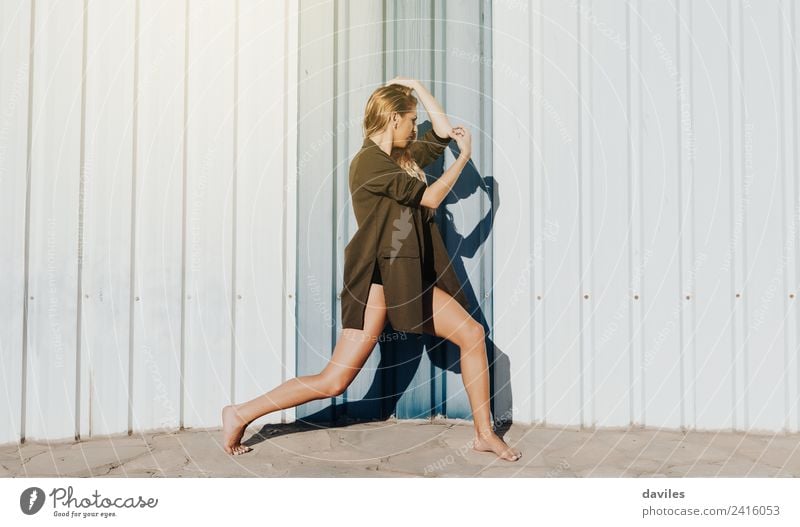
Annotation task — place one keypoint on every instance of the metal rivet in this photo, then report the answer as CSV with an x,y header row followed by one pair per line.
x,y
538,297
239,297
585,296
791,295
738,295
137,298
688,297
290,296
85,295
636,297
31,297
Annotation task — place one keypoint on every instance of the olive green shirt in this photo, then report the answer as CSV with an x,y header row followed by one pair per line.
x,y
392,228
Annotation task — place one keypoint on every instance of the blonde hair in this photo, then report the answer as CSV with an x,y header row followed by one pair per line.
x,y
380,106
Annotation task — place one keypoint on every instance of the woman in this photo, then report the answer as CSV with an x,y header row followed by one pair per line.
x,y
396,266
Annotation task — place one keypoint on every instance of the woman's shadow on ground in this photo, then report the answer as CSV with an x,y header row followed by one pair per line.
x,y
400,358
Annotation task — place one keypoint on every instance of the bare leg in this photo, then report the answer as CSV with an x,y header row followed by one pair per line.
x,y
349,356
449,320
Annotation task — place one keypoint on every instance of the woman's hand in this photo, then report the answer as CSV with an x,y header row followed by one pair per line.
x,y
404,81
463,139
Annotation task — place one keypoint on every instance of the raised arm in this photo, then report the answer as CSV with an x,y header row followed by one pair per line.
x,y
439,120
438,190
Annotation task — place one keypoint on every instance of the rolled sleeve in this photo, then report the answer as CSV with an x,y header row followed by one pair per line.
x,y
428,148
384,177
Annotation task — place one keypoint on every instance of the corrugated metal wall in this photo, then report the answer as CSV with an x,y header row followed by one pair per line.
x,y
348,49
646,154
146,154
646,263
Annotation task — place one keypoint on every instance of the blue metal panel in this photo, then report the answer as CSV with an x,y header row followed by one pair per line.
x,y
410,376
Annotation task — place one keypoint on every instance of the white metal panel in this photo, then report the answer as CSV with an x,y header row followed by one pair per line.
x,y
158,199
261,174
208,211
15,26
662,294
514,148
290,150
712,190
316,102
51,397
689,157
106,214
606,216
790,21
561,158
764,233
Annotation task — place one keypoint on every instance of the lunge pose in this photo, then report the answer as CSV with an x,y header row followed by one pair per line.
x,y
396,266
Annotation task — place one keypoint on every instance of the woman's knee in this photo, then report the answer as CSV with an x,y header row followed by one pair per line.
x,y
470,334
332,384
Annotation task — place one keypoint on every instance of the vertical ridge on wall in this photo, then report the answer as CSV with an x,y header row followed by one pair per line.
x,y
315,125
105,217
790,209
234,197
262,179
709,72
157,306
17,20
765,316
513,145
51,388
208,255
339,87
290,170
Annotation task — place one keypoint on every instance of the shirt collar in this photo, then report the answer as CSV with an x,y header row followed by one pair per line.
x,y
369,143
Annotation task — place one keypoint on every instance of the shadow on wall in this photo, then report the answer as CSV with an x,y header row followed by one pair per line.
x,y
400,358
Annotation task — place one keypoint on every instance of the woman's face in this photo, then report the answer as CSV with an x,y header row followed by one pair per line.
x,y
406,130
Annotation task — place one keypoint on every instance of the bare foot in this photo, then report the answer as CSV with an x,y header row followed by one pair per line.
x,y
491,442
232,431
